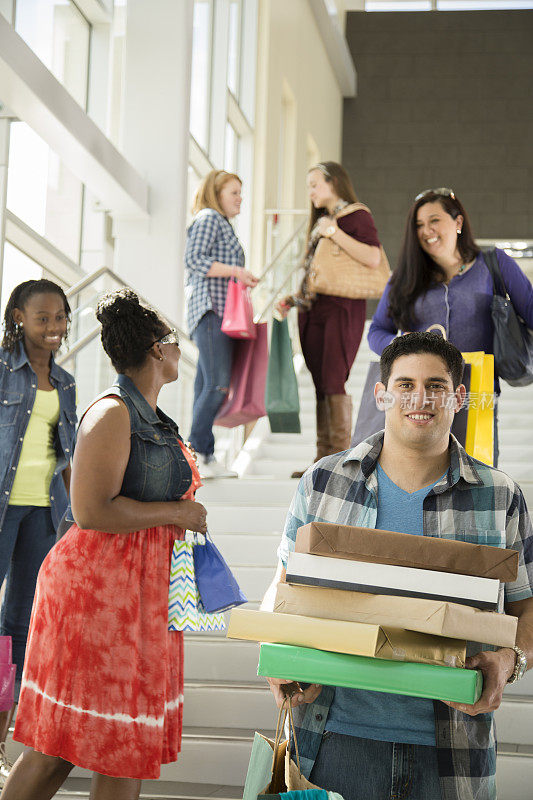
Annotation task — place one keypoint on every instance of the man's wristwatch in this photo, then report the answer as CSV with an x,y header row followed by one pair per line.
x,y
330,231
520,665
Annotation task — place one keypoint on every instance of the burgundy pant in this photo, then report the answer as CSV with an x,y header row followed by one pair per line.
x,y
330,334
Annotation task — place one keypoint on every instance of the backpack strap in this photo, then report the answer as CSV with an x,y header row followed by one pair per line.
x,y
491,260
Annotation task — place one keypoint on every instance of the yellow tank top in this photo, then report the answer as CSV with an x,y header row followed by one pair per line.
x,y
38,457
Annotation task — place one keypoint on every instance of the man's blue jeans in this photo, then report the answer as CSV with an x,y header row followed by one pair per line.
x,y
26,537
215,353
364,769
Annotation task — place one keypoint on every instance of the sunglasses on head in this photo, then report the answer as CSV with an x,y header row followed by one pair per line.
x,y
442,191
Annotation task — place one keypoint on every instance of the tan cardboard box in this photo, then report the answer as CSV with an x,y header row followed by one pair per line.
x,y
437,617
355,638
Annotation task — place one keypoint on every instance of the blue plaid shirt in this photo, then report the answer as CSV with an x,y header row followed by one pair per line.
x,y
472,502
210,237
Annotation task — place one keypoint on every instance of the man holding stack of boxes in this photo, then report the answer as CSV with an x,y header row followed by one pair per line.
x,y
426,731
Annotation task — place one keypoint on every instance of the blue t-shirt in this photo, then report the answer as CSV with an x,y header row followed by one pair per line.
x,y
379,715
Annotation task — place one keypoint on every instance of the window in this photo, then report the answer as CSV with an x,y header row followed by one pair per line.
x,y
193,182
234,47
201,71
17,268
231,158
43,192
59,35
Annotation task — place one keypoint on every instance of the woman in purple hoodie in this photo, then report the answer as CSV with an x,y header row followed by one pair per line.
x,y
442,278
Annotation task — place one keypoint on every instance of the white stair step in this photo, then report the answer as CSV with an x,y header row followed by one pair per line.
x,y
254,581
509,437
303,450
523,687
245,519
247,491
211,658
514,720
226,706
76,788
279,467
517,470
520,452
216,755
514,774
249,550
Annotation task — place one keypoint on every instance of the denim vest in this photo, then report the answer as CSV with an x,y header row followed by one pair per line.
x,y
18,389
157,470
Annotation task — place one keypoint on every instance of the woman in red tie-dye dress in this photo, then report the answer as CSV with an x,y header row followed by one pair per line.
x,y
103,682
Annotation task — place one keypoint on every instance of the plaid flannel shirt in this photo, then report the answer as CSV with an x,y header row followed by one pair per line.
x,y
473,503
210,237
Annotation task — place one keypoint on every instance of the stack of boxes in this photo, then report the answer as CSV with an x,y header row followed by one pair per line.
x,y
385,611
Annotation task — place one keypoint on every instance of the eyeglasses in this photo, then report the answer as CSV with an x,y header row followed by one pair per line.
x,y
169,338
442,191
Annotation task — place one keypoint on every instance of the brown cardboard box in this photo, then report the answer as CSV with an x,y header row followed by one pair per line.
x,y
355,638
403,550
437,617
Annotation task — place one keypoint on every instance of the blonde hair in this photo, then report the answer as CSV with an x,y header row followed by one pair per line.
x,y
208,193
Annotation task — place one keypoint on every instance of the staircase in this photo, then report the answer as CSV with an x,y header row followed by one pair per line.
x,y
225,701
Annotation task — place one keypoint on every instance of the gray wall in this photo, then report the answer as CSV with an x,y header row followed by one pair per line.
x,y
444,99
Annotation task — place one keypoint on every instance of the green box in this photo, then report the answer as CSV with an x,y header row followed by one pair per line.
x,y
360,672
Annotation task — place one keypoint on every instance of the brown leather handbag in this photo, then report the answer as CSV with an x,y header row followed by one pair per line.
x,y
334,272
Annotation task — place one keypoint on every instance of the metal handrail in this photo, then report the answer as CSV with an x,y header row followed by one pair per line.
x,y
280,252
259,317
292,211
94,332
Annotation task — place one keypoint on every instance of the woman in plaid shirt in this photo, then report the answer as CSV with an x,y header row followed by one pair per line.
x,y
213,255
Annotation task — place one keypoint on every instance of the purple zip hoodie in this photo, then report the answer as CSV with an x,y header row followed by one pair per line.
x,y
462,307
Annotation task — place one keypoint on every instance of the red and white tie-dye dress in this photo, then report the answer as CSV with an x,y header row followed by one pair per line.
x,y
103,678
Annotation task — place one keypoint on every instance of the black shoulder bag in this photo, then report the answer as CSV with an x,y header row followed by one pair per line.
x,y
513,341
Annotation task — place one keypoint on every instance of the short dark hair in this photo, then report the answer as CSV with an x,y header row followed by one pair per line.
x,y
422,342
129,328
18,299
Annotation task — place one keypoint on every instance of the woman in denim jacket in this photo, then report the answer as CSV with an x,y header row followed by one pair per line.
x,y
37,428
103,682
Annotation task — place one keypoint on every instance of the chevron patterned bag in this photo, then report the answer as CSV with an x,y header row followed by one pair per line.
x,y
185,610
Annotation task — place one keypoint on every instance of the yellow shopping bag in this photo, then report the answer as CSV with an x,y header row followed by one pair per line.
x,y
480,425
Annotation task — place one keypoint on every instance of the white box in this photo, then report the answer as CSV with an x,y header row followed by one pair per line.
x,y
359,576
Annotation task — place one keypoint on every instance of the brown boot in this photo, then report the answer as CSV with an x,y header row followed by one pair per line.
x,y
340,426
323,443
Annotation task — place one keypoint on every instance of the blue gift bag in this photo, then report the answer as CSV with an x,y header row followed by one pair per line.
x,y
218,588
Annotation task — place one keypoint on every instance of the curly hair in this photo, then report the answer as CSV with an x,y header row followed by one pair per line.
x,y
18,299
129,328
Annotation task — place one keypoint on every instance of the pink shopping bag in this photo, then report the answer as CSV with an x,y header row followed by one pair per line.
x,y
7,674
238,319
246,399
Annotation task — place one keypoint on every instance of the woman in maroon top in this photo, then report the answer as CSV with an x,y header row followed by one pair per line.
x,y
331,327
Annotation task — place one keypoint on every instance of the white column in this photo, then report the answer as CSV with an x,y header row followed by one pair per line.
x,y
155,140
7,9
